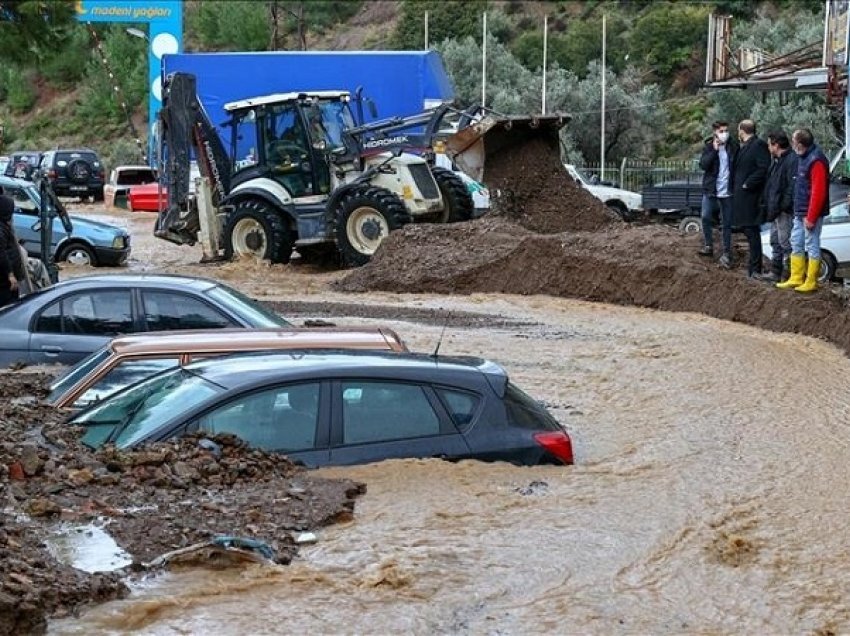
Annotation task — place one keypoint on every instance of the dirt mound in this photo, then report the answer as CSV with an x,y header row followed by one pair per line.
x,y
154,500
648,266
529,185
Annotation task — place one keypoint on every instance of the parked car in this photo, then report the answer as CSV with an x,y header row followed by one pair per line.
x,y
834,241
23,164
623,202
65,323
89,242
74,173
121,179
130,359
338,408
4,163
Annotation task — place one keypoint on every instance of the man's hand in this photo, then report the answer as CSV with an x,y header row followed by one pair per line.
x,y
716,143
809,225
13,282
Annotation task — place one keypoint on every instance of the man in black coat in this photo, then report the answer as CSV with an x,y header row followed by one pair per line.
x,y
9,254
779,200
716,162
748,179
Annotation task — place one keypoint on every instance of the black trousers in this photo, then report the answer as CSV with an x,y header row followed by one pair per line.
x,y
754,240
7,296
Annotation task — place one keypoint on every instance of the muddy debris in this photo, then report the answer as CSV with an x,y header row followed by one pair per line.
x,y
154,500
645,265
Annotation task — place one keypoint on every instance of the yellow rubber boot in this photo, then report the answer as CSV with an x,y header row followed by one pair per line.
x,y
812,272
798,266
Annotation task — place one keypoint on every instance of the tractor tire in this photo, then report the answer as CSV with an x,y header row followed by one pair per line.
x,y
255,229
459,203
363,218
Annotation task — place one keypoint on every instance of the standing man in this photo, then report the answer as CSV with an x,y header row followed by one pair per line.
x,y
749,176
811,205
9,255
779,200
718,157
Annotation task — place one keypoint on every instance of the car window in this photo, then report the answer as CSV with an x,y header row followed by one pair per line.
x,y
839,213
280,419
89,313
246,307
460,405
135,176
383,411
123,375
77,373
525,412
167,311
22,199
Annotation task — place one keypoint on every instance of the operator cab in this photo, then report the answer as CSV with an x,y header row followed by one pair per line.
x,y
290,138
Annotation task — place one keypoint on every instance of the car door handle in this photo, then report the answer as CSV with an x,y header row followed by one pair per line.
x,y
51,350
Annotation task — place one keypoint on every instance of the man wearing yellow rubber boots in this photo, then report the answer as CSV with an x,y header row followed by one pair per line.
x,y
811,205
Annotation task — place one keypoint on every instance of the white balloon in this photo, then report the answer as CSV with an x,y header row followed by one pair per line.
x,y
156,88
164,43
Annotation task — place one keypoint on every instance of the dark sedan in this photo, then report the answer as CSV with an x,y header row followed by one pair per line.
x,y
66,322
337,408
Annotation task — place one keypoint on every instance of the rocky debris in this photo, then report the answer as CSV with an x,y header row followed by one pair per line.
x,y
153,500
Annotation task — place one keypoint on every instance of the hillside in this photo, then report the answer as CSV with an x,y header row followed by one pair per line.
x,y
62,94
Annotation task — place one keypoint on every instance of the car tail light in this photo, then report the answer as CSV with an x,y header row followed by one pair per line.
x,y
557,443
51,174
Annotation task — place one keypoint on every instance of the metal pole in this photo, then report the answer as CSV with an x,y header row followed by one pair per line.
x,y
602,127
545,51
484,62
426,30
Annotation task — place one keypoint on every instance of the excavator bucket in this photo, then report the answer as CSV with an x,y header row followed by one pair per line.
x,y
472,146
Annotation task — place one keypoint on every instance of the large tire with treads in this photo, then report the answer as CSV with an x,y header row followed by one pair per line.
x,y
363,217
256,229
456,196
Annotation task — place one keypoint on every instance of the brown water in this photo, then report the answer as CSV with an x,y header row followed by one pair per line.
x,y
710,493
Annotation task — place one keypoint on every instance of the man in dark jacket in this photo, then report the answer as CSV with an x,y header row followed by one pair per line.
x,y
779,201
718,157
9,254
811,205
749,176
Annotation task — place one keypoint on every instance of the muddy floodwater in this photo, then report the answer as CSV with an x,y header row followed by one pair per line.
x,y
710,492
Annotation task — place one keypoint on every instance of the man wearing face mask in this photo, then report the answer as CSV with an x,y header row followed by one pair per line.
x,y
811,205
9,255
749,177
718,157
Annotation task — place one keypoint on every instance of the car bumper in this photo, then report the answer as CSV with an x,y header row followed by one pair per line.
x,y
108,256
78,191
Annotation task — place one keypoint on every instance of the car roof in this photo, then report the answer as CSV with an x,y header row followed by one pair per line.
x,y
133,167
224,340
12,181
140,279
74,150
253,368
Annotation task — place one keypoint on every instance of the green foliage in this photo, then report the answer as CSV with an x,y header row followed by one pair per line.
x,y
122,152
665,36
19,93
447,19
231,25
779,36
65,67
30,30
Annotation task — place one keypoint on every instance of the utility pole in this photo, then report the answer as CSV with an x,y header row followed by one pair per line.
x,y
426,30
602,127
545,51
484,62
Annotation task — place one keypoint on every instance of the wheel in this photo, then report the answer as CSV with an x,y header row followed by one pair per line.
x,y
77,254
827,267
620,209
363,217
254,228
455,195
690,225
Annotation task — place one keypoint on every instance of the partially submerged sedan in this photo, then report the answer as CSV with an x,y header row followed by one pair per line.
x,y
130,359
338,408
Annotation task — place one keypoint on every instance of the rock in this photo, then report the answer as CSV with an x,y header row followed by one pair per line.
x,y
80,477
16,471
30,461
306,537
43,507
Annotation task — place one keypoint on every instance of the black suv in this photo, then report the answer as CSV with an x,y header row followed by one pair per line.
x,y
74,173
23,164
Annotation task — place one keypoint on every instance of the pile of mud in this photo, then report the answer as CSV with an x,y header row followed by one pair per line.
x,y
151,501
648,266
530,186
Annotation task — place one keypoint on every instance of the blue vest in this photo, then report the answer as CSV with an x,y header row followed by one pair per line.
x,y
803,183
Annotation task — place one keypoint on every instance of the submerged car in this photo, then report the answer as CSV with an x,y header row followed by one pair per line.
x,y
65,323
338,408
88,243
122,179
623,202
834,243
130,359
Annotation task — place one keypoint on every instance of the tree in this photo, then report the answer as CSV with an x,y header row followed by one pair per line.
x,y
33,29
665,35
447,19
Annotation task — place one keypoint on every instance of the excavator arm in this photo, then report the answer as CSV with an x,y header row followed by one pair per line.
x,y
185,130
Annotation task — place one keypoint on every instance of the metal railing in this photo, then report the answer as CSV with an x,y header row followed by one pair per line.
x,y
634,174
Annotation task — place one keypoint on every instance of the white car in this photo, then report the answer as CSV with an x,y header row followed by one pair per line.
x,y
834,241
621,201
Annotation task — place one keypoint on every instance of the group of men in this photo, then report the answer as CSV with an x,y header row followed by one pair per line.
x,y
783,182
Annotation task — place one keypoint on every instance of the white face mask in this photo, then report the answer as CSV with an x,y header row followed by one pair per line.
x,y
723,137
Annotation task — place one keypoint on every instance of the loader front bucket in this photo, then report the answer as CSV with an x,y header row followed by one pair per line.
x,y
471,147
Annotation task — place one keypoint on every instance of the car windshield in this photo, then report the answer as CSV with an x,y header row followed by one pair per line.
x,y
136,176
133,414
76,373
247,307
335,117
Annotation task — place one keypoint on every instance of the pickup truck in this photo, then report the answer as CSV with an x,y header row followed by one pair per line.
x,y
121,179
